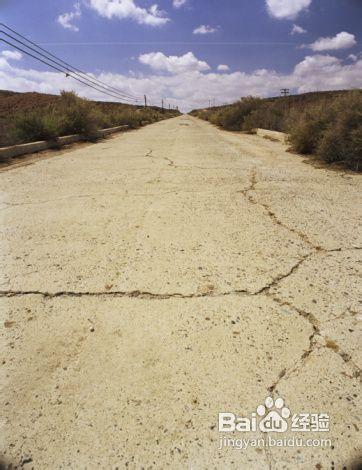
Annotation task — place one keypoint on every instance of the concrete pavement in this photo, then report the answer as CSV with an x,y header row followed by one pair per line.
x,y
153,280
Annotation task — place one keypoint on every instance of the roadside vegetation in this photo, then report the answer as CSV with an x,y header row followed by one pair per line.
x,y
327,125
69,114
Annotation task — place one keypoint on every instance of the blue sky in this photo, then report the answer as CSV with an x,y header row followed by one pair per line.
x,y
173,51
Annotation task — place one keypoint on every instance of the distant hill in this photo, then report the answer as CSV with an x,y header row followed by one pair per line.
x,y
311,97
297,100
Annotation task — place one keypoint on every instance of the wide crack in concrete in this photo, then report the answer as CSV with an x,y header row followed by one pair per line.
x,y
315,339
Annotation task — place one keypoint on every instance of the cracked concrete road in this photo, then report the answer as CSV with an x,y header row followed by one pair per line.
x,y
153,280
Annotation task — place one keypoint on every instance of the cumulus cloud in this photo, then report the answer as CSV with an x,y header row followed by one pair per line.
x,y
327,72
123,9
342,40
12,55
66,19
223,68
286,9
204,29
297,30
173,64
353,57
179,3
191,88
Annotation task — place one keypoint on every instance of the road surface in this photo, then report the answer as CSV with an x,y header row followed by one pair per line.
x,y
153,280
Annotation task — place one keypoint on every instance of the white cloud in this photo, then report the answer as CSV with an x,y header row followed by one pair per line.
x,y
316,63
173,64
12,55
325,72
204,29
286,9
123,9
297,30
223,68
353,57
342,40
66,19
190,88
179,3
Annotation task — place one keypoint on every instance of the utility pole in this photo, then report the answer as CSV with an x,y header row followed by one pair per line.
x,y
145,101
169,106
286,93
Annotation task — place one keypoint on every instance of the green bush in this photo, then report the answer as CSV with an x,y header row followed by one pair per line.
x,y
152,115
80,115
268,116
233,118
304,135
342,141
35,126
127,118
70,114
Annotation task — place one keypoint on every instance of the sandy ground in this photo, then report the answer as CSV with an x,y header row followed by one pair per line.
x,y
151,281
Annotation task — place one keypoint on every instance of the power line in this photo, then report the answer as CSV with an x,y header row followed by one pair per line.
x,y
59,70
65,63
67,71
177,43
67,68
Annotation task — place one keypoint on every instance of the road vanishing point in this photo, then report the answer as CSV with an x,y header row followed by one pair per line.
x,y
155,279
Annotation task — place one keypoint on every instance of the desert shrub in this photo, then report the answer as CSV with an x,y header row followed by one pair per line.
x,y
305,133
80,120
332,130
233,117
105,120
127,117
34,126
201,114
69,98
342,141
135,117
70,114
153,115
80,116
270,116
327,124
354,158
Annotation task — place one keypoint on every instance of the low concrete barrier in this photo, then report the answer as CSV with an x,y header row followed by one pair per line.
x,y
68,139
32,147
112,130
22,149
272,135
